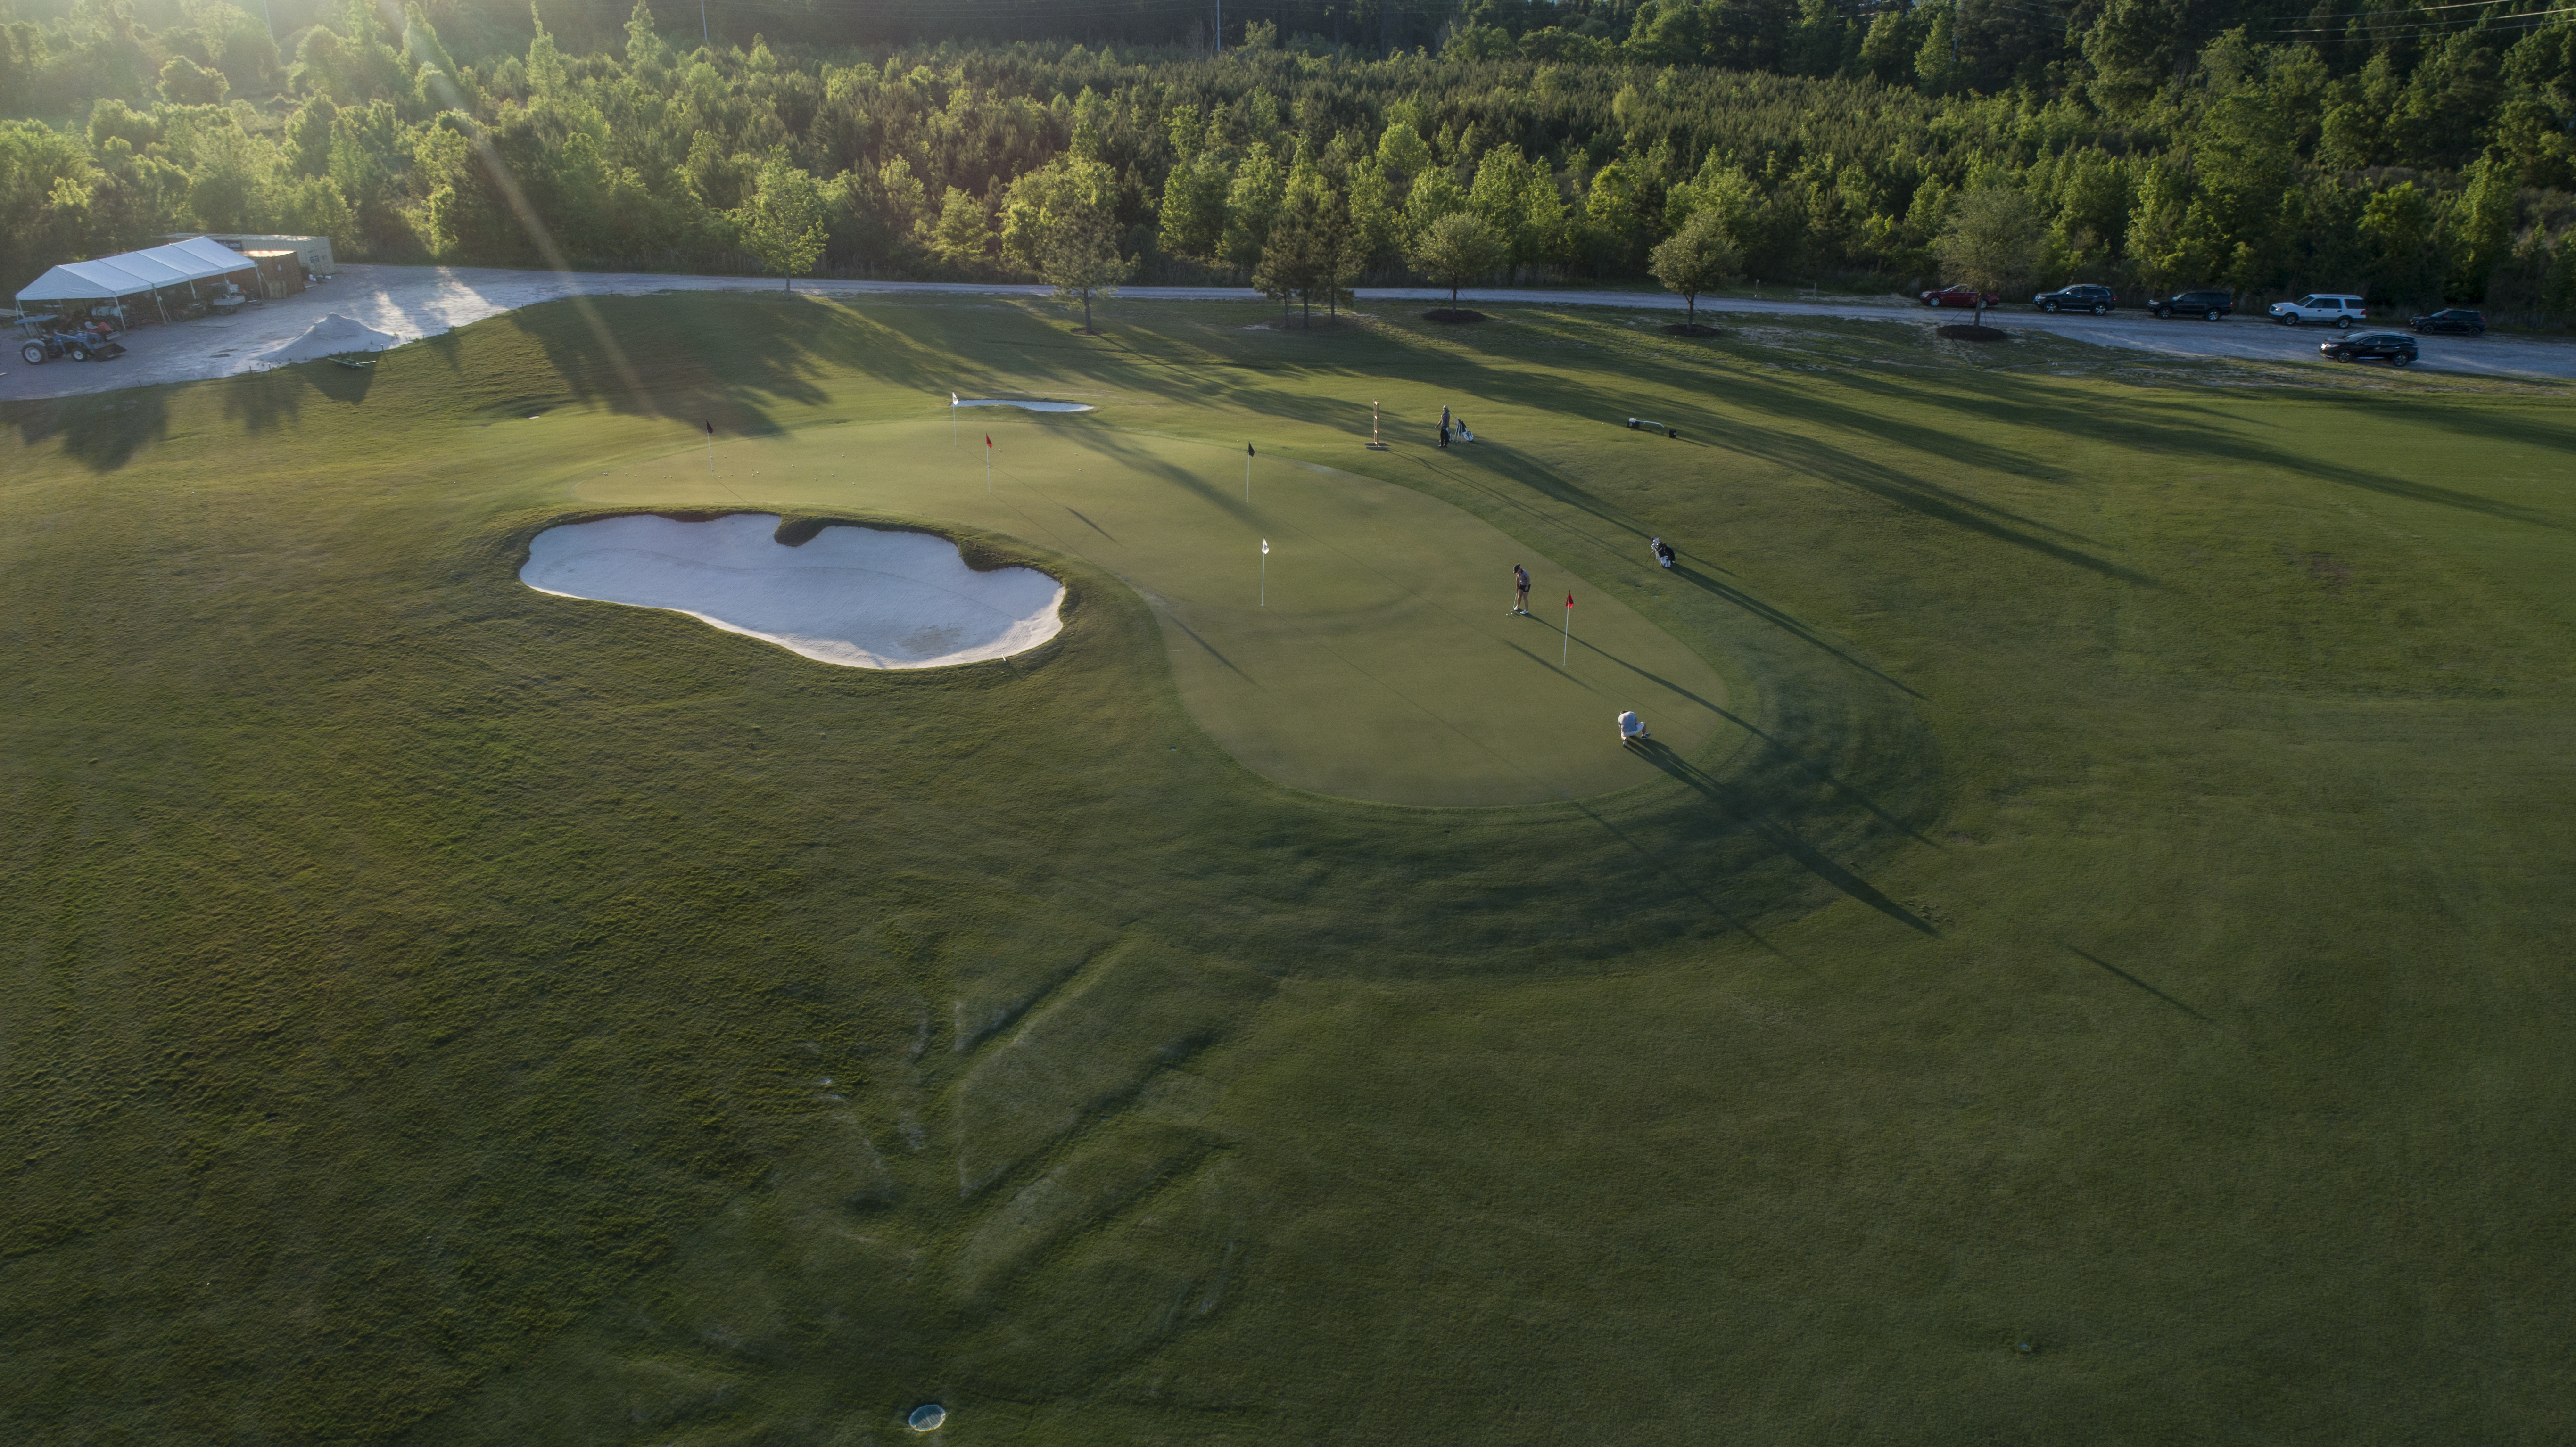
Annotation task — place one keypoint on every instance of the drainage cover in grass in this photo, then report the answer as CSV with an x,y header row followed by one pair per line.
x,y
858,597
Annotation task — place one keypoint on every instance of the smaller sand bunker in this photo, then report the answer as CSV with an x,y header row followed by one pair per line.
x,y
330,337
852,596
956,401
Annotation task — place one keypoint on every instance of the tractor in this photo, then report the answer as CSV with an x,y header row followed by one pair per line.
x,y
48,338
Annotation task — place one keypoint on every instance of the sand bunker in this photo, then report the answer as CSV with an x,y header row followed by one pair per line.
x,y
330,337
858,597
956,401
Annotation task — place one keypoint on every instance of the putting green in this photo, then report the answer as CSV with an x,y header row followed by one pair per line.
x,y
1378,661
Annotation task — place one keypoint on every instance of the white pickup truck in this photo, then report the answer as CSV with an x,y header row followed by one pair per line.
x,y
2343,311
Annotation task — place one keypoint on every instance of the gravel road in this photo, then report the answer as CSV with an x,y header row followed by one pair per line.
x,y
411,302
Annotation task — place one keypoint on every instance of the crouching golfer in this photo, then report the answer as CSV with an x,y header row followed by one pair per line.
x,y
1520,590
1632,729
1663,554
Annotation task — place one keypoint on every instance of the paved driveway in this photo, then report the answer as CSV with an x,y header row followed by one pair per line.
x,y
411,302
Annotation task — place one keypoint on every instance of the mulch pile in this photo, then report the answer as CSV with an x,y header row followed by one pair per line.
x,y
1963,332
1454,314
1692,329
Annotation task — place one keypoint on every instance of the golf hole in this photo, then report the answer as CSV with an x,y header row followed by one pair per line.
x,y
852,596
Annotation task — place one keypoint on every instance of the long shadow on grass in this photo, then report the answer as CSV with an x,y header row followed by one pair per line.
x,y
1928,499
99,430
1648,675
1115,445
1655,862
720,356
1537,477
1211,651
1800,450
1778,835
1782,621
2216,441
2134,980
1825,776
2480,424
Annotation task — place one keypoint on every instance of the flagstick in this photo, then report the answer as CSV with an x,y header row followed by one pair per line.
x,y
1265,573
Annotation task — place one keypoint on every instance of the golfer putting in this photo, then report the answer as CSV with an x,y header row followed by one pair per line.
x,y
1520,590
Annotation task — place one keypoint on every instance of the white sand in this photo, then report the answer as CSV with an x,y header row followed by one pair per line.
x,y
330,337
858,597
954,401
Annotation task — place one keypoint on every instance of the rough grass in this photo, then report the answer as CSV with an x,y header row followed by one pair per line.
x,y
2127,919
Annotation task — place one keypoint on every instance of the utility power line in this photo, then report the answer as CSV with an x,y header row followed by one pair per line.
x,y
2403,11
2445,27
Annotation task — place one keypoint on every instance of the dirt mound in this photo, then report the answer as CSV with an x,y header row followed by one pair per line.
x,y
1454,314
1692,329
330,337
1964,332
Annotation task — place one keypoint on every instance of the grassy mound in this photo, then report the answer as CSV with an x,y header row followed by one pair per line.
x,y
2127,874
1453,315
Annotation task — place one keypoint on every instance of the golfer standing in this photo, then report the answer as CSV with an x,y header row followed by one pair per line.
x,y
1520,590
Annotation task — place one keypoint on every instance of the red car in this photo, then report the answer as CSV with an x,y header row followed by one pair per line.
x,y
1960,296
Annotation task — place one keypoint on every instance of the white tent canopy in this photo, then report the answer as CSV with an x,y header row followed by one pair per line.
x,y
134,273
83,281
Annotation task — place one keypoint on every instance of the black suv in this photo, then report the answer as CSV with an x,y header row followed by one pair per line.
x,y
2209,304
2455,319
2395,348
2083,298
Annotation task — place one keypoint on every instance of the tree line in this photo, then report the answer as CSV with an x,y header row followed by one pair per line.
x,y
2420,154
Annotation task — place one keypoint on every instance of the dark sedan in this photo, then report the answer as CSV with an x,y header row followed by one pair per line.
x,y
1961,296
2395,348
2084,298
2207,304
2454,319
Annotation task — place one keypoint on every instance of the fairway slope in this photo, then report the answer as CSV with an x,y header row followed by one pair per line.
x,y
2098,885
